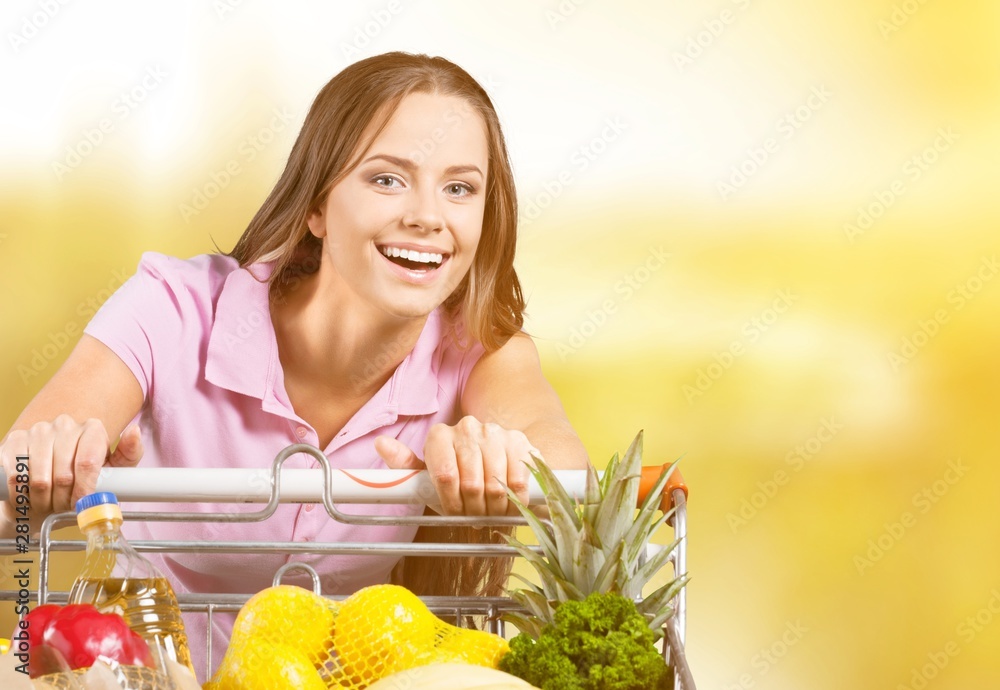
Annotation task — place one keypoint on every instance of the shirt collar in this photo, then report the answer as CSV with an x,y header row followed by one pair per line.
x,y
243,352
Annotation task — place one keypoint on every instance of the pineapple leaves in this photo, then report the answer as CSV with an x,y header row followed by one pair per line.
x,y
609,472
547,570
592,496
530,625
641,532
654,564
658,599
537,528
535,602
567,535
587,559
555,492
595,544
604,581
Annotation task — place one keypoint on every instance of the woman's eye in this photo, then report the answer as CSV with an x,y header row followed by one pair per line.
x,y
460,189
387,181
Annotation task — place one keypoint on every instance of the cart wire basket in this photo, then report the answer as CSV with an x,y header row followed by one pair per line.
x,y
324,485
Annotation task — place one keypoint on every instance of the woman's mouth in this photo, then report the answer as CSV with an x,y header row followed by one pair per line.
x,y
414,265
413,260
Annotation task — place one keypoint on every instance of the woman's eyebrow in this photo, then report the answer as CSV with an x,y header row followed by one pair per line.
x,y
409,165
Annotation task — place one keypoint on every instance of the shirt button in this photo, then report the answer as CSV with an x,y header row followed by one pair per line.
x,y
301,432
309,507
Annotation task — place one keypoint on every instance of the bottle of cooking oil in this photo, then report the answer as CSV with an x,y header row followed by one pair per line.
x,y
117,579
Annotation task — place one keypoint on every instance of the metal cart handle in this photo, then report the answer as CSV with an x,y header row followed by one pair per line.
x,y
233,485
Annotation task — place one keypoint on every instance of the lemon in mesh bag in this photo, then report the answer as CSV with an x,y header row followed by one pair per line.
x,y
282,638
383,629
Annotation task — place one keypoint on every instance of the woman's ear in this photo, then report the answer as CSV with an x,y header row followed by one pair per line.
x,y
316,222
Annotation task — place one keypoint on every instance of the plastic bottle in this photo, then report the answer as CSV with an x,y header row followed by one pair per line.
x,y
117,579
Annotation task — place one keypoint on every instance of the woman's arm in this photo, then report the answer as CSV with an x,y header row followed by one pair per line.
x,y
66,432
508,388
510,411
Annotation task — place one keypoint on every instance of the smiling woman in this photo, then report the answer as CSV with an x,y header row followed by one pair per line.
x,y
386,331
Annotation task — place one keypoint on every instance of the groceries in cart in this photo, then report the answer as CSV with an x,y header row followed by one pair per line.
x,y
122,627
585,623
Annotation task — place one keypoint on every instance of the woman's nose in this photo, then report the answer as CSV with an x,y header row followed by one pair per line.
x,y
424,211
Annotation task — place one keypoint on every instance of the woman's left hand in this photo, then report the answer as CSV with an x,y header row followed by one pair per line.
x,y
469,464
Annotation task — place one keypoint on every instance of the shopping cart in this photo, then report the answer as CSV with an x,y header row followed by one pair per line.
x,y
329,487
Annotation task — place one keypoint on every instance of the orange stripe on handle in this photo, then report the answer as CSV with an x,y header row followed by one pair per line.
x,y
649,477
382,485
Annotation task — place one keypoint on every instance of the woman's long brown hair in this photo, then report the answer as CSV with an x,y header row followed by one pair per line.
x,y
348,113
346,116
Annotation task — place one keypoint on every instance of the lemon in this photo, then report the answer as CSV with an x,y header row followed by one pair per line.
x,y
4,645
471,647
382,629
265,666
290,616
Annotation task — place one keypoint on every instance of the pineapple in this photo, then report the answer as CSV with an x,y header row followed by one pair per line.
x,y
597,545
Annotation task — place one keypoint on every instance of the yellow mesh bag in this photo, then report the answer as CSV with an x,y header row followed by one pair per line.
x,y
282,638
279,641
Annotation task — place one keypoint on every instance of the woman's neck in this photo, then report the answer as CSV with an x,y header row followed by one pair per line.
x,y
329,340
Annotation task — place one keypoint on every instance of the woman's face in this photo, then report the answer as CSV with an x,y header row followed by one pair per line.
x,y
401,229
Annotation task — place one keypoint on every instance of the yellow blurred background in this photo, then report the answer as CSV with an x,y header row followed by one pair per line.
x,y
764,232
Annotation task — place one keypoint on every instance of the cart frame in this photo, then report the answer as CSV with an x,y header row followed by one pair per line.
x,y
456,608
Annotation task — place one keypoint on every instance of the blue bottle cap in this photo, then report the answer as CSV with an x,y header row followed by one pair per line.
x,y
97,499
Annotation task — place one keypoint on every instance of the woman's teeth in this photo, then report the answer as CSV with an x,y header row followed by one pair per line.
x,y
410,255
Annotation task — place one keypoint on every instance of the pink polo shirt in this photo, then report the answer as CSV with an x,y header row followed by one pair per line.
x,y
198,336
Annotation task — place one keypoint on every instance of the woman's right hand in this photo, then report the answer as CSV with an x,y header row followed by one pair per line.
x,y
65,458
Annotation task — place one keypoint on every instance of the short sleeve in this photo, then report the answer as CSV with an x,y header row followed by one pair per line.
x,y
146,321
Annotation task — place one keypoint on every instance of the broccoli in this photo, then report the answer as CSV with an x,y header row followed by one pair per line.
x,y
600,643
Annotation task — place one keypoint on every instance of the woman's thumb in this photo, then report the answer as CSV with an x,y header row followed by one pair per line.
x,y
396,454
129,450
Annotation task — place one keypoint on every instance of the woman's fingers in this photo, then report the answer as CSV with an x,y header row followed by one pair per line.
x,y
129,450
518,476
442,464
91,451
42,466
472,464
64,460
14,446
64,438
469,453
497,461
